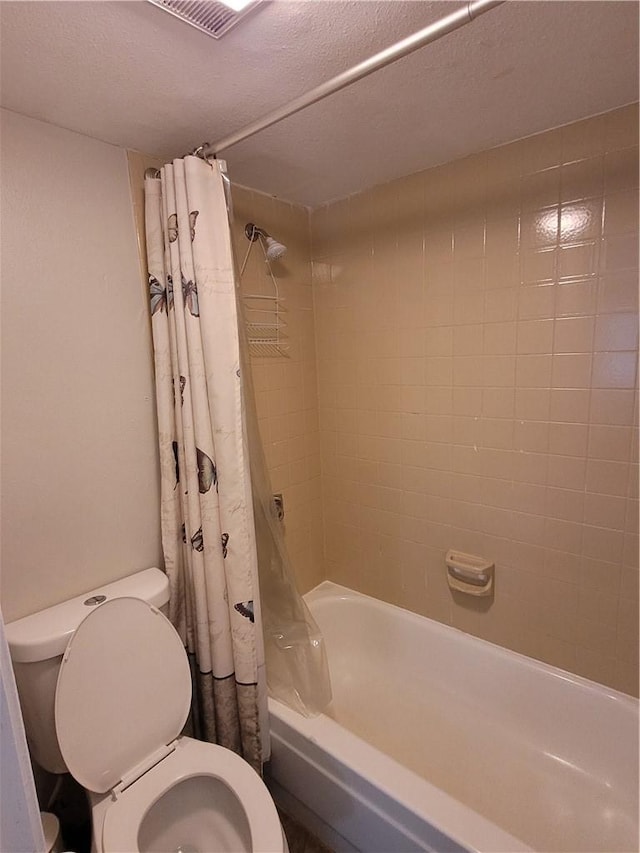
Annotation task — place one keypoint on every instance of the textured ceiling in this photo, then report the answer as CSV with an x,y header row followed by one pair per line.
x,y
129,74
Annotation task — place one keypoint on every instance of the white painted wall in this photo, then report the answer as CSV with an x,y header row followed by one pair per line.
x,y
80,486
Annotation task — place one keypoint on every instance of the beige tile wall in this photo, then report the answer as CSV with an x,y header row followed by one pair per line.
x,y
477,360
286,387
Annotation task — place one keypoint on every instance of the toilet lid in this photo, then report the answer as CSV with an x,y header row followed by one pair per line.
x,y
124,691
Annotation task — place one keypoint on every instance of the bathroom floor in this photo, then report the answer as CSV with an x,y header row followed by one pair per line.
x,y
299,838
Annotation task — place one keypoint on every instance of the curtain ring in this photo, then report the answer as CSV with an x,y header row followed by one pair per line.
x,y
199,152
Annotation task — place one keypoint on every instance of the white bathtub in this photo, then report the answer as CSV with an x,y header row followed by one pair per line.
x,y
438,741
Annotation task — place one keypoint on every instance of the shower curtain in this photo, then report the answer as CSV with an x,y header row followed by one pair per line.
x,y
207,500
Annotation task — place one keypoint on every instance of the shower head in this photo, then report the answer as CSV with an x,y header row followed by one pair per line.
x,y
273,249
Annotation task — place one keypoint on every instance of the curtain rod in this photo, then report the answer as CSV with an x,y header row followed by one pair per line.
x,y
434,31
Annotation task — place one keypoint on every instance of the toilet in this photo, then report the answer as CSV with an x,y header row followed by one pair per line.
x,y
112,687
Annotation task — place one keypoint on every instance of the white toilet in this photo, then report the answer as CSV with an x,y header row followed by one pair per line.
x,y
117,699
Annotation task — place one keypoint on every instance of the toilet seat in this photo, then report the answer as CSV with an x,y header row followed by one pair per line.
x,y
123,693
194,758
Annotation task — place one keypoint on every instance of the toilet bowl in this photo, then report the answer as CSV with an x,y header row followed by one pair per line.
x,y
202,797
122,698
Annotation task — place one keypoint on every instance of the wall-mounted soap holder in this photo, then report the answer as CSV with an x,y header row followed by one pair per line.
x,y
470,574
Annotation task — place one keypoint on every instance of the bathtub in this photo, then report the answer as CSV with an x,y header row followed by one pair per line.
x,y
439,741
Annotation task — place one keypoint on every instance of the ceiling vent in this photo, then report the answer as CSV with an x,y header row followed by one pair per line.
x,y
210,17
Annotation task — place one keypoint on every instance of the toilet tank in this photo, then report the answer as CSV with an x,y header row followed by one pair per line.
x,y
37,644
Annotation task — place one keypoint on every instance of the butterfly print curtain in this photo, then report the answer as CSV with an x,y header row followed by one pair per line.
x,y
208,532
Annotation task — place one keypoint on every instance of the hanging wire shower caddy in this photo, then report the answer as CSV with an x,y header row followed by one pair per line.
x,y
263,311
